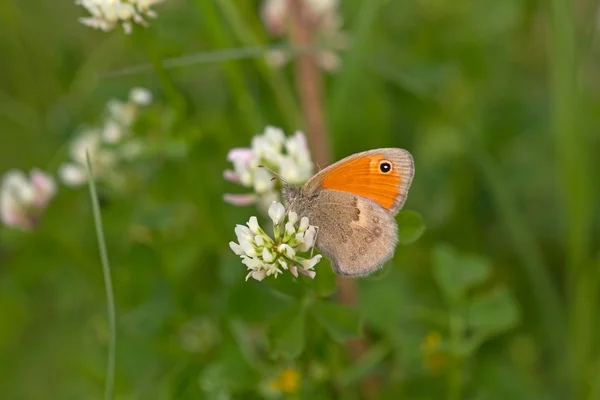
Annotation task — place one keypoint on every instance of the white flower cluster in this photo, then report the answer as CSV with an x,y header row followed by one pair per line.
x,y
265,256
326,25
107,14
289,157
108,144
23,199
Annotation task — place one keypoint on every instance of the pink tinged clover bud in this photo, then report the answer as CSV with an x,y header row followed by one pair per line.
x,y
287,156
23,199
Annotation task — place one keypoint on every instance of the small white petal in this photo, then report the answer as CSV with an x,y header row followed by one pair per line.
x,y
276,212
283,263
243,233
249,249
309,239
294,271
287,250
289,229
272,269
292,217
267,255
140,96
88,141
236,248
259,240
275,137
17,184
310,263
258,275
252,262
112,132
310,274
303,224
253,224
262,180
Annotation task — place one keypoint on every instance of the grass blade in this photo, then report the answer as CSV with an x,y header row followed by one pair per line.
x,y
110,301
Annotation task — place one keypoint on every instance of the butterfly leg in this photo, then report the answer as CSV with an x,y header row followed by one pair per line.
x,y
312,249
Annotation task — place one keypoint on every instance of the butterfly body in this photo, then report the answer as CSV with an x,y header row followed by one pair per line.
x,y
354,203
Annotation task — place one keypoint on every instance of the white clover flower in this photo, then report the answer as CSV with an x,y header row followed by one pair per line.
x,y
102,159
72,174
325,24
23,199
112,132
107,14
287,156
140,96
108,145
265,256
122,113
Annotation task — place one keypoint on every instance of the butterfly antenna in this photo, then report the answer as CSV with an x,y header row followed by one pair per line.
x,y
277,176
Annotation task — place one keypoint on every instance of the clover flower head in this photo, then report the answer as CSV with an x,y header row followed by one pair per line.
x,y
287,156
108,144
107,14
265,256
325,23
23,199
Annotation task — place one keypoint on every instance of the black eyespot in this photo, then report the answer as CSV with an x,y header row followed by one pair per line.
x,y
385,167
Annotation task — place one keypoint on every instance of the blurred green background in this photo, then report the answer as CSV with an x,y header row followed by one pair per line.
x,y
498,103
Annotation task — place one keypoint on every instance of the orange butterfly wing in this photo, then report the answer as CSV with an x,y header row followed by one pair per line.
x,y
365,174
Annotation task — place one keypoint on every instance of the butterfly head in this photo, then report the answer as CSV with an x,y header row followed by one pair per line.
x,y
289,193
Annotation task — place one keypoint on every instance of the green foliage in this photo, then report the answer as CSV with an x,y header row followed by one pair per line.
x,y
286,332
456,275
342,323
492,313
410,226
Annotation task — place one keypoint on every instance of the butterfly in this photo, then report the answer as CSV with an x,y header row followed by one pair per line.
x,y
354,203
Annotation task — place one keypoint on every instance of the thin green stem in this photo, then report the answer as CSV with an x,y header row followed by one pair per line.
x,y
573,173
211,57
455,375
170,89
246,35
110,301
246,104
590,27
346,80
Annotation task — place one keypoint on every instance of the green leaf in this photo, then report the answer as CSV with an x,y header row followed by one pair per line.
x,y
493,313
341,322
324,282
358,370
410,226
455,275
383,303
286,332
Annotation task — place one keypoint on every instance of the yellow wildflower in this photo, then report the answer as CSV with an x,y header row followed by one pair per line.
x,y
434,359
288,381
